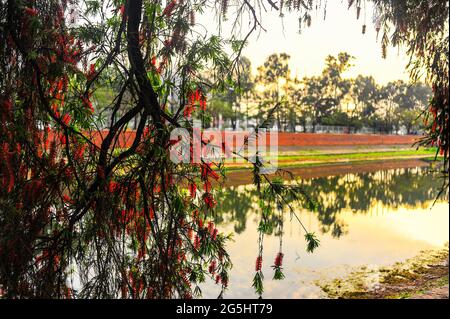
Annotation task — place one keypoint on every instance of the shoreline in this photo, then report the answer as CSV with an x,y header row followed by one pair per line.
x,y
325,159
244,176
424,276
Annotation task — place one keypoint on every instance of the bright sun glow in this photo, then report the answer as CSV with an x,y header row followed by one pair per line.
x,y
339,32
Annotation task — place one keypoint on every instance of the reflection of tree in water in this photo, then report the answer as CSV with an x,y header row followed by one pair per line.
x,y
360,193
237,205
234,207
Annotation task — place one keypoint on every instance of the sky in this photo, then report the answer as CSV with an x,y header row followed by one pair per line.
x,y
339,32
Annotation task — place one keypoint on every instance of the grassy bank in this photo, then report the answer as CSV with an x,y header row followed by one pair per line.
x,y
420,277
323,159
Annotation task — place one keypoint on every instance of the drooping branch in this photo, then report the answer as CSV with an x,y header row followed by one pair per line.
x,y
147,95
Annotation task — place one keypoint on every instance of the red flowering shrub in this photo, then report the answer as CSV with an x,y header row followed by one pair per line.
x,y
79,201
72,195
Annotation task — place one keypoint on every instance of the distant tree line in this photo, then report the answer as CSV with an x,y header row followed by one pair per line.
x,y
325,99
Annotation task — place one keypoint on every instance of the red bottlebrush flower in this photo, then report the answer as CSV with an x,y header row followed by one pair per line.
x,y
87,103
191,98
207,171
113,186
218,279
42,257
66,119
141,253
31,11
203,104
154,61
67,199
192,190
152,213
146,132
258,263
210,227
207,186
60,85
433,129
190,233
209,200
196,242
204,170
212,267
279,260
123,216
91,71
63,139
185,279
122,10
214,234
433,111
188,110
197,95
169,9
79,152
55,108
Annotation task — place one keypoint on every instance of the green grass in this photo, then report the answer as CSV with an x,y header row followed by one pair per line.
x,y
350,156
434,159
320,159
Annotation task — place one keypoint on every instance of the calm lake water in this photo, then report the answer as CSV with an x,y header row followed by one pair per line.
x,y
371,216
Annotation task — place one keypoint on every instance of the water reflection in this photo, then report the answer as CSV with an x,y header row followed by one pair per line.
x,y
361,193
369,215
